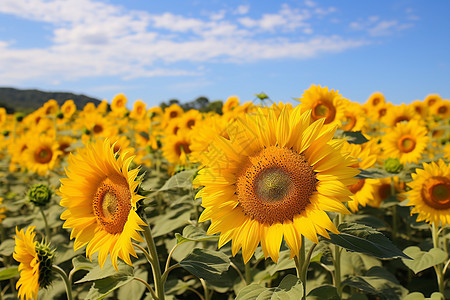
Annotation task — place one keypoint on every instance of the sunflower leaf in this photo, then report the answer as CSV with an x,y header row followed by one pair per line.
x,y
101,288
97,273
181,180
290,288
354,137
324,292
8,273
423,260
364,239
206,264
194,234
377,281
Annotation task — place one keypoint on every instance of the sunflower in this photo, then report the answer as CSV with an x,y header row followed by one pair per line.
x,y
441,109
65,142
382,190
172,112
430,193
3,115
406,141
420,108
50,107
100,197
375,100
363,189
431,99
274,177
118,104
324,103
25,254
190,118
36,260
89,108
102,108
400,113
139,111
176,147
41,154
354,118
68,108
2,210
231,103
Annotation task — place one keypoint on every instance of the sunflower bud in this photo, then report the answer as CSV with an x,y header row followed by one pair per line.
x,y
5,132
393,166
45,257
60,115
86,131
39,194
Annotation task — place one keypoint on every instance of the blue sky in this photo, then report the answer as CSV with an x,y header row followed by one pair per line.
x,y
159,50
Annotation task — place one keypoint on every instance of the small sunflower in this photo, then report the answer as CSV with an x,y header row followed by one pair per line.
x,y
441,109
406,141
231,103
50,107
3,115
89,108
101,201
190,118
401,113
324,103
42,154
176,147
430,193
383,190
274,177
139,111
68,108
35,266
354,118
420,108
172,112
118,104
431,99
375,100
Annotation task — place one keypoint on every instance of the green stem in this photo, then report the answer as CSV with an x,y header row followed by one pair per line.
x,y
156,269
149,288
337,262
206,290
298,267
47,228
239,272
248,273
66,280
166,272
394,213
438,268
303,266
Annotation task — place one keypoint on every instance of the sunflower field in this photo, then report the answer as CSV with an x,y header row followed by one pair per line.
x,y
322,199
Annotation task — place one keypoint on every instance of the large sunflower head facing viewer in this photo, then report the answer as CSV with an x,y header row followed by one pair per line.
x,y
100,197
274,177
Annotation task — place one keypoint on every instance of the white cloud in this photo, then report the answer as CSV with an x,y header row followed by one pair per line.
x,y
376,26
242,10
90,38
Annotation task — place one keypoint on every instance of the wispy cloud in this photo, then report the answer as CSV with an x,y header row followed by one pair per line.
x,y
89,38
376,26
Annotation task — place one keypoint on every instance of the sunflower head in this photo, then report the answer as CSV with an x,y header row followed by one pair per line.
x,y
393,165
45,256
39,194
100,197
430,193
272,177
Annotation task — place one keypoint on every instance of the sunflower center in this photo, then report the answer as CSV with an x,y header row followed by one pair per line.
x,y
384,191
63,146
190,124
400,119
406,144
173,114
354,188
442,110
43,155
375,101
97,128
276,185
182,147
382,112
351,122
436,192
323,109
112,204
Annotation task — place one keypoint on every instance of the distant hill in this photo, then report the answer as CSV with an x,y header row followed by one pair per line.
x,y
26,101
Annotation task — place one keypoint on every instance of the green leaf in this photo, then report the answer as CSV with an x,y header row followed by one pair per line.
x,y
8,273
423,259
373,173
181,180
7,247
194,234
97,273
365,239
290,288
173,219
81,262
101,288
377,281
206,264
354,137
135,289
324,292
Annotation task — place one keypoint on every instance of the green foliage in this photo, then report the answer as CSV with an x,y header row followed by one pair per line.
x,y
8,273
422,260
354,137
206,264
364,239
290,288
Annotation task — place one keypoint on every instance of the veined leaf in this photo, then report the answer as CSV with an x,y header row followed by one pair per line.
x,y
206,264
290,288
423,260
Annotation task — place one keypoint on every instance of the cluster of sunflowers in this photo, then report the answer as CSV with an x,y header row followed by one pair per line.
x,y
315,186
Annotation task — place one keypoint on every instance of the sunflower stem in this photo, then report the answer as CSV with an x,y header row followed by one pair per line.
x,y
248,273
239,272
394,213
438,268
337,261
149,288
156,269
66,280
47,228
